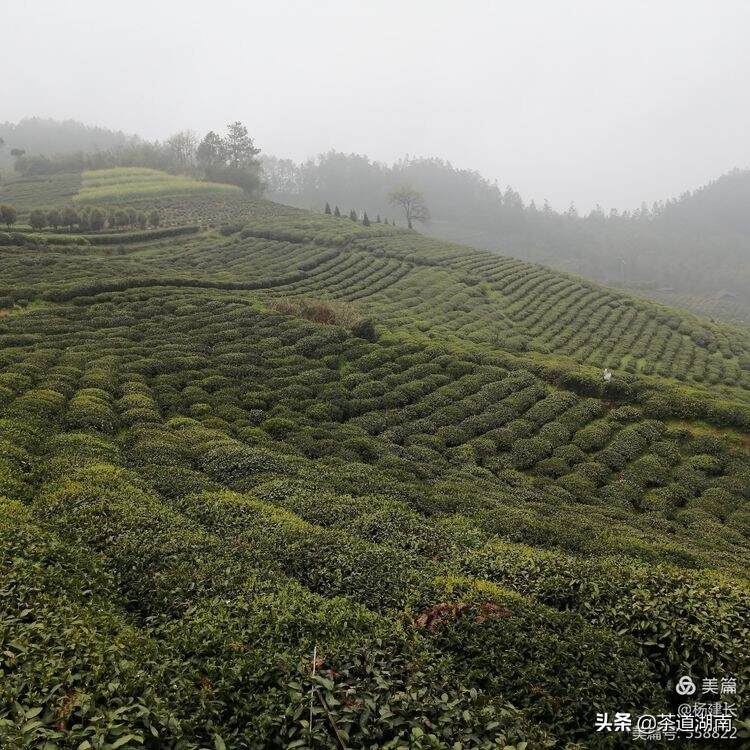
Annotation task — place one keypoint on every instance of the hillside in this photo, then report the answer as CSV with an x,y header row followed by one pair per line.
x,y
724,305
690,251
47,137
252,434
695,246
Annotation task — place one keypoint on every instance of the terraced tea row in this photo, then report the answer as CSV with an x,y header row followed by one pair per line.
x,y
473,297
122,184
403,406
721,305
346,488
46,191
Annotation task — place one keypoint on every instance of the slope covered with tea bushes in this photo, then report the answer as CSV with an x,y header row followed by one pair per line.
x,y
44,191
225,451
124,183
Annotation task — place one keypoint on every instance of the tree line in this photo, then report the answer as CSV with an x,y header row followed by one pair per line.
x,y
45,136
230,157
697,242
84,219
405,197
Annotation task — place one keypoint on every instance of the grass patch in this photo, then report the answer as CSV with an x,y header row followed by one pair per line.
x,y
131,183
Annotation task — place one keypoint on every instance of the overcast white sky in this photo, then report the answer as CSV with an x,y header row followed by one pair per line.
x,y
591,101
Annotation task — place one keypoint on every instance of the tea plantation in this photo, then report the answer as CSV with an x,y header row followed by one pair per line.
x,y
270,479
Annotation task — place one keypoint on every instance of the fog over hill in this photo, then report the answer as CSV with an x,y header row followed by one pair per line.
x,y
697,243
47,137
592,102
692,250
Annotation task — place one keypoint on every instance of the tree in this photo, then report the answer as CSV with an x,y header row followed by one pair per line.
x,y
53,218
17,152
84,219
211,153
121,218
231,159
69,217
142,220
240,149
366,220
8,215
336,211
132,217
327,208
37,219
97,219
377,219
154,218
281,175
353,215
183,147
411,202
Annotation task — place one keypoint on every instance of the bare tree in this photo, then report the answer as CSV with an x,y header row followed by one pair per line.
x,y
282,175
183,145
411,202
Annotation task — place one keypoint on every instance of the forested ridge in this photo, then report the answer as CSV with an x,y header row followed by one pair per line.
x,y
696,244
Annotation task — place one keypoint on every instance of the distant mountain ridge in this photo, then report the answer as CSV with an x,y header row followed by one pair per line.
x,y
45,136
698,243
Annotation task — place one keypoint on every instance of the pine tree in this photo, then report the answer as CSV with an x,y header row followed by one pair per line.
x,y
353,215
377,219
328,208
336,211
366,220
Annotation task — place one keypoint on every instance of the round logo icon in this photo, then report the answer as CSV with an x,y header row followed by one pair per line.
x,y
685,686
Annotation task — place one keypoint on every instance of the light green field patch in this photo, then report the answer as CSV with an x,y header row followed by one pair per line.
x,y
131,183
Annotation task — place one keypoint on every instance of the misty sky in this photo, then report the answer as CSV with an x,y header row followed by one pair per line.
x,y
606,101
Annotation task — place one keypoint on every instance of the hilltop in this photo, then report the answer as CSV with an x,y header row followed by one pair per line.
x,y
252,433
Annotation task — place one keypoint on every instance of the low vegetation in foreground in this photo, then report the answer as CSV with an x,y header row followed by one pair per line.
x,y
276,479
